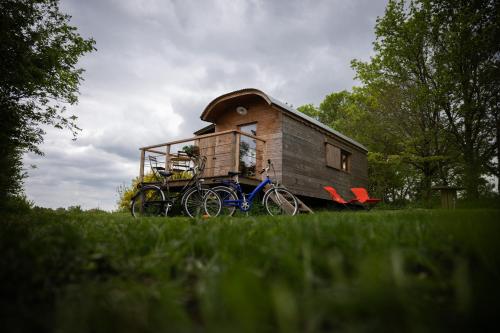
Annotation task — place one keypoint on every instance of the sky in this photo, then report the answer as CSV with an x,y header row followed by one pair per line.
x,y
159,63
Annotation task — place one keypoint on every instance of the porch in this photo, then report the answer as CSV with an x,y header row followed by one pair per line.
x,y
230,150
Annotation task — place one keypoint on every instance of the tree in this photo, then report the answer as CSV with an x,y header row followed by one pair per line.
x,y
367,117
443,60
429,107
39,51
467,57
403,66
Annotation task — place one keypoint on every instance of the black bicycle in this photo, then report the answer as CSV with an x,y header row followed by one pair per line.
x,y
155,198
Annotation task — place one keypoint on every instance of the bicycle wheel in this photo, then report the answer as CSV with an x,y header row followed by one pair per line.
x,y
201,202
280,201
212,203
150,201
226,193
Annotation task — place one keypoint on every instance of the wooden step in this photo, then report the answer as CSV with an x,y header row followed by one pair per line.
x,y
303,208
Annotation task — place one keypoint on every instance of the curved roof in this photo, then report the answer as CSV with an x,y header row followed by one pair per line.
x,y
205,115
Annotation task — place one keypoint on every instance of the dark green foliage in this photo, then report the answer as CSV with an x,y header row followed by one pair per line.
x,y
428,106
442,60
398,271
191,150
38,54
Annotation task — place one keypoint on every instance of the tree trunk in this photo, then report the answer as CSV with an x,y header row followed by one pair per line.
x,y
472,173
498,152
426,183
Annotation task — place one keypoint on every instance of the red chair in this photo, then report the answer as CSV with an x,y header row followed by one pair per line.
x,y
362,196
338,199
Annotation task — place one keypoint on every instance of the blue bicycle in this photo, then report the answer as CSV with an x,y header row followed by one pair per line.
x,y
277,200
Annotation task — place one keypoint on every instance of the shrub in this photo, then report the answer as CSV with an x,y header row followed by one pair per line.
x,y
125,193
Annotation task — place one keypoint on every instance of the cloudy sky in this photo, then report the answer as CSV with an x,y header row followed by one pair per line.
x,y
160,62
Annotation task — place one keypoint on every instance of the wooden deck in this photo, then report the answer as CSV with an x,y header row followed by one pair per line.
x,y
222,150
179,183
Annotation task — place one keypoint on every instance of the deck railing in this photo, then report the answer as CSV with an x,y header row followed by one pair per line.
x,y
225,151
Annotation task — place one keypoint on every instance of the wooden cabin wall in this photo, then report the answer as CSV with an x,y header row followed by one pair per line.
x,y
304,162
220,154
268,128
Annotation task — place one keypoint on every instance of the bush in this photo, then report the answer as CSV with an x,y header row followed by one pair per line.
x,y
126,193
16,204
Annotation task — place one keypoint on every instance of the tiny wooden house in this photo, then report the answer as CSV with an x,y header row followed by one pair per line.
x,y
248,127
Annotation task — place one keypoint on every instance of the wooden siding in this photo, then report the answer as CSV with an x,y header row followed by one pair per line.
x,y
268,122
305,169
219,152
222,152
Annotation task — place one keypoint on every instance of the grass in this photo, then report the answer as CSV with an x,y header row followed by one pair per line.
x,y
408,270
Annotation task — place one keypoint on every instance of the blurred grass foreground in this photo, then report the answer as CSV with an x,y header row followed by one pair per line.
x,y
409,270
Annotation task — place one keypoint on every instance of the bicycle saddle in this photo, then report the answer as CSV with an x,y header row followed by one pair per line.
x,y
233,173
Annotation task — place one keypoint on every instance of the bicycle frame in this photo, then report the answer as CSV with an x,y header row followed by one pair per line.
x,y
169,199
244,203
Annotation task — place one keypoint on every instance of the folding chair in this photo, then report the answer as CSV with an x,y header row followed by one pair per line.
x,y
338,199
363,198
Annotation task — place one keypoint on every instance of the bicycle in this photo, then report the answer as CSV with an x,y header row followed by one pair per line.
x,y
155,198
277,200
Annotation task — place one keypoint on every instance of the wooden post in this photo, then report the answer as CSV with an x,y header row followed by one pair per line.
x,y
167,158
448,195
237,151
141,171
448,198
263,161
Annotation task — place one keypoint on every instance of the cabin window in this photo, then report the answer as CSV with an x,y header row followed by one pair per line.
x,y
248,150
249,128
345,159
337,158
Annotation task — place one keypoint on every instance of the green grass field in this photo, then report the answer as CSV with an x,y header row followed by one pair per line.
x,y
408,270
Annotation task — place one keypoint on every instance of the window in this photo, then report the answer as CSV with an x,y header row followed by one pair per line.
x,y
344,161
337,158
332,156
248,150
249,128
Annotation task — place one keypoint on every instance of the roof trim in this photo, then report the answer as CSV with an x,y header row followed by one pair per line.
x,y
285,107
233,94
207,129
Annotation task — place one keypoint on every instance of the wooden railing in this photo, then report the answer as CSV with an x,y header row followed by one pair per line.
x,y
222,150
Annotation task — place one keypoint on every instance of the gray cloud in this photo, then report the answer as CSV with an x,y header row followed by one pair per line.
x,y
159,63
